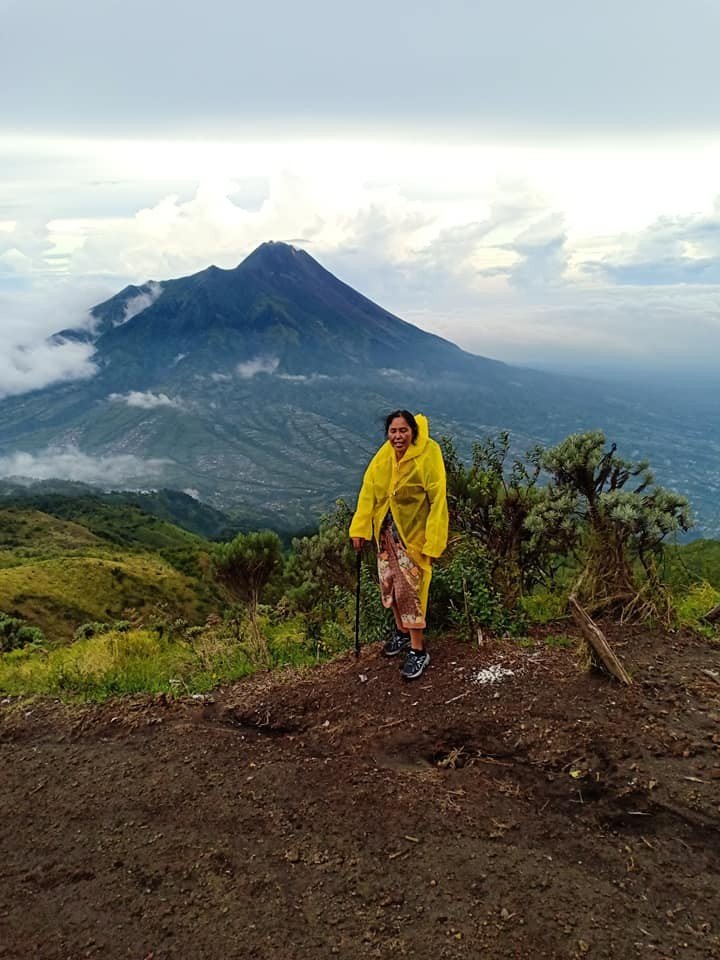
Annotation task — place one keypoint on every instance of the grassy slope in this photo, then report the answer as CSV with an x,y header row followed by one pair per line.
x,y
56,573
58,595
29,530
119,523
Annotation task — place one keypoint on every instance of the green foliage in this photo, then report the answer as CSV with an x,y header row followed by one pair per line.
x,y
375,621
320,562
117,662
694,604
245,564
61,593
245,567
524,527
545,605
160,518
622,522
692,563
319,582
560,640
16,633
574,505
95,628
462,594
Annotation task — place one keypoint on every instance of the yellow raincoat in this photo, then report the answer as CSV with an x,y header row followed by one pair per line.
x,y
413,490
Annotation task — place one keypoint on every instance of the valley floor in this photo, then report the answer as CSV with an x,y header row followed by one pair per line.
x,y
506,805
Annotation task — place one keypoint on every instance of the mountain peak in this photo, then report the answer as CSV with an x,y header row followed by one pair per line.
x,y
276,255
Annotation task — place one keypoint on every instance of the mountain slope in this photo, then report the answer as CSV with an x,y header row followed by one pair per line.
x,y
262,390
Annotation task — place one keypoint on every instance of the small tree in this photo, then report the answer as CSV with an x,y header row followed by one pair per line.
x,y
320,573
245,566
322,561
521,524
622,520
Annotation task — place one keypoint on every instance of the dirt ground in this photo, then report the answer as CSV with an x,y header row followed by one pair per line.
x,y
505,805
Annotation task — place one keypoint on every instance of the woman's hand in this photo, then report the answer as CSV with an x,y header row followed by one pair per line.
x,y
358,542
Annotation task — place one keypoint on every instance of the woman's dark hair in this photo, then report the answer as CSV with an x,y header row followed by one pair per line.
x,y
407,417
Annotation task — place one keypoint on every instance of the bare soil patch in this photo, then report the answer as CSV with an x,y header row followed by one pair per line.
x,y
505,805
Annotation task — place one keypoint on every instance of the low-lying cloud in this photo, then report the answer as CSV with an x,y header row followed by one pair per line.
x,y
303,377
70,463
30,367
146,401
250,368
31,356
135,305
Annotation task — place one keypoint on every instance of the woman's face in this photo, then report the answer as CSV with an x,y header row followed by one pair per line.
x,y
400,435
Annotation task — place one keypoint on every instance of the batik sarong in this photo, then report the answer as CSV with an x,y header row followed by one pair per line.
x,y
400,578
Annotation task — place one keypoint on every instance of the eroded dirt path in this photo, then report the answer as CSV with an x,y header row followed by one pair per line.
x,y
545,813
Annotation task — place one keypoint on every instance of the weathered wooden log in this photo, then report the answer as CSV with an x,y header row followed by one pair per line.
x,y
596,639
712,615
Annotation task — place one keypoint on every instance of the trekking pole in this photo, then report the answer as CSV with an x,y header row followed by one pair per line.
x,y
358,565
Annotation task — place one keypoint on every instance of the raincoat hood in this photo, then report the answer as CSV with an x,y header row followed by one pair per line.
x,y
417,447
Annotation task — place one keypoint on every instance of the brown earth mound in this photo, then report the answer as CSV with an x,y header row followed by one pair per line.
x,y
505,805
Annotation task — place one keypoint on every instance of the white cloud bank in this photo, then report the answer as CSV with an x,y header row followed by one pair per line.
x,y
146,400
30,356
30,367
69,463
251,368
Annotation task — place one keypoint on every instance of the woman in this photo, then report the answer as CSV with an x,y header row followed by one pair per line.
x,y
403,506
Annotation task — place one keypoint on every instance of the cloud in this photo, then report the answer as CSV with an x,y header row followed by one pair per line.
x,y
146,401
69,463
472,70
303,378
542,253
142,301
671,250
31,357
176,236
664,271
609,330
395,374
24,368
251,368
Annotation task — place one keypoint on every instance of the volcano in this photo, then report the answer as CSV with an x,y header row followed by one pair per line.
x,y
262,390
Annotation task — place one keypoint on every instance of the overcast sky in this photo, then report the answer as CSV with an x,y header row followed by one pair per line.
x,y
538,182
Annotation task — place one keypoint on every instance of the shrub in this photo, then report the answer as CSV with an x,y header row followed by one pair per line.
x,y
462,593
94,628
16,633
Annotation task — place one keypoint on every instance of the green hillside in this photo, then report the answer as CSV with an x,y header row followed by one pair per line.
x,y
121,523
97,563
176,507
58,595
26,532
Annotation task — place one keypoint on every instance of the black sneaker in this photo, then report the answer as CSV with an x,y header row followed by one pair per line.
x,y
396,644
415,663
